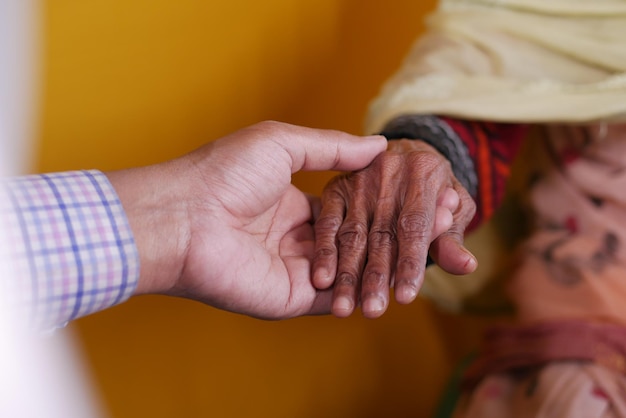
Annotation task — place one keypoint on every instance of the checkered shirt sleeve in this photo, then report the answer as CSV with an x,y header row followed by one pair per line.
x,y
71,248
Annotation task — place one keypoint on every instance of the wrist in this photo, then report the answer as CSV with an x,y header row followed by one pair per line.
x,y
158,218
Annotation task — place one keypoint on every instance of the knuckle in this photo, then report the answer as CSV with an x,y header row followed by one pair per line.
x,y
390,158
381,238
415,224
270,125
386,161
266,128
355,187
328,224
324,252
375,279
334,201
336,183
345,279
352,235
408,264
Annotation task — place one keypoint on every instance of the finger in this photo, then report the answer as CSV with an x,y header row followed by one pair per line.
x,y
414,235
381,253
326,228
416,224
443,220
444,217
458,259
318,149
449,199
352,241
382,243
296,250
448,249
303,298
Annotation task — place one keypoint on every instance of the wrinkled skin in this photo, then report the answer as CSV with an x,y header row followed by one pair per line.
x,y
377,225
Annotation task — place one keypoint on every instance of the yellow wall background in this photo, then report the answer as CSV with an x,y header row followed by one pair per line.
x,y
134,82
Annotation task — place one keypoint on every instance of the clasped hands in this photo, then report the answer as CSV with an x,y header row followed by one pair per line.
x,y
223,225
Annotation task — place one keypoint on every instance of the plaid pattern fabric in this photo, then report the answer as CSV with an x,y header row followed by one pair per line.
x,y
71,248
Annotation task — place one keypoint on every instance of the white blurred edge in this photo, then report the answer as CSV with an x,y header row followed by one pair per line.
x,y
40,376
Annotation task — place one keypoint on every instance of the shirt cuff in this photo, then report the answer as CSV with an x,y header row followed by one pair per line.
x,y
71,249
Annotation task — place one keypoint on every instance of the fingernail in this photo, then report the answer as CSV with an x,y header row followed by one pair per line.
x,y
320,280
373,305
342,305
471,264
406,294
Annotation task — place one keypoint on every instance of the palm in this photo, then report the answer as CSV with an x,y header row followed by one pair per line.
x,y
263,257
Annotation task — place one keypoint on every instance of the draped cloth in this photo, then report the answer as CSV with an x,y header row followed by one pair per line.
x,y
514,61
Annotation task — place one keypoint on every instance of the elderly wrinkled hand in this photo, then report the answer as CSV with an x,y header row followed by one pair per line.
x,y
377,225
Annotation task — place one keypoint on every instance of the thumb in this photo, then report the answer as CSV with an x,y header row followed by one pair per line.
x,y
318,149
